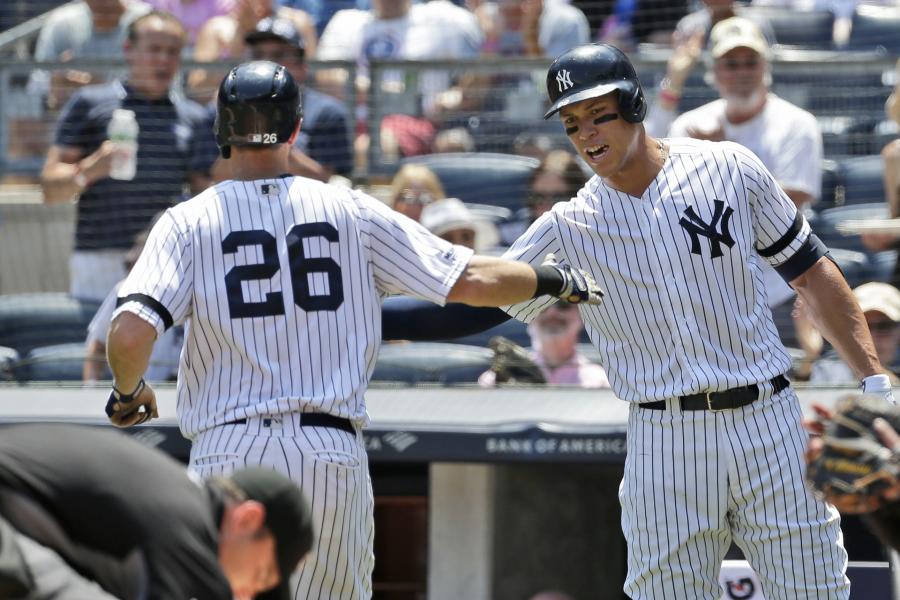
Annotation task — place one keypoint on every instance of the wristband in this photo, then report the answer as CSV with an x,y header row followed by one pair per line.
x,y
549,281
874,384
669,96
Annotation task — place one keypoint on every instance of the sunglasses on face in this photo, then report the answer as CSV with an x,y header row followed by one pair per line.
x,y
733,64
414,197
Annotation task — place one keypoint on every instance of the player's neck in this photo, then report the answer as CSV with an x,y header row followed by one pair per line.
x,y
248,164
641,168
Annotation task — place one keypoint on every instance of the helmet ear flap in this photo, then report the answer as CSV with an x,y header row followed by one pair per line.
x,y
632,105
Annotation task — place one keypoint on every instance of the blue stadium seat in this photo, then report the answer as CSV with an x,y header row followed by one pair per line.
x,y
33,320
826,221
830,181
482,177
8,357
512,329
861,181
876,27
60,362
810,29
427,362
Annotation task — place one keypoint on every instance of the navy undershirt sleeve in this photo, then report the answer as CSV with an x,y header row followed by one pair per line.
x,y
404,318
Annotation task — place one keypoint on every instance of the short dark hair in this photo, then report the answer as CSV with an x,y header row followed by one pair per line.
x,y
135,26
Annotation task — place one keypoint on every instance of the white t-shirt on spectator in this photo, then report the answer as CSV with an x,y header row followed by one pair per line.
x,y
785,137
432,31
166,351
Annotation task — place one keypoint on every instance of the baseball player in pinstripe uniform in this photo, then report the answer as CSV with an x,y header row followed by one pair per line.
x,y
280,280
677,231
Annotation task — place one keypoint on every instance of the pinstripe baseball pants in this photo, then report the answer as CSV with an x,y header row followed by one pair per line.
x,y
696,480
332,469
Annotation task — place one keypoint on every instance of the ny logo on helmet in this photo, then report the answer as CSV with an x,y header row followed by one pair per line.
x,y
564,80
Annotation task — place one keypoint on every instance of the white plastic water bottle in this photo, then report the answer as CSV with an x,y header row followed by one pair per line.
x,y
123,132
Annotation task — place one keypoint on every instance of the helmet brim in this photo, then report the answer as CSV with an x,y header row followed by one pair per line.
x,y
600,89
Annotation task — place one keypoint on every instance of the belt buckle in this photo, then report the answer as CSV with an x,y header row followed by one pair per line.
x,y
709,403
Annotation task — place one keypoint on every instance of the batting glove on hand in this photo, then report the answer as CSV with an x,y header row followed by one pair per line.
x,y
125,410
879,385
578,285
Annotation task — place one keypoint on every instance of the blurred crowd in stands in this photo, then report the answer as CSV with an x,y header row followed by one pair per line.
x,y
836,156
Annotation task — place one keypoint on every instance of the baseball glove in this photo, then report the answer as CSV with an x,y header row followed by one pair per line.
x,y
512,364
855,469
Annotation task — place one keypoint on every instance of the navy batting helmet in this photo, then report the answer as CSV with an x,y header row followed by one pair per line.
x,y
593,70
258,105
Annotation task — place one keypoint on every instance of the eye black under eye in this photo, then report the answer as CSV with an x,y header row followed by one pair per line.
x,y
571,129
605,118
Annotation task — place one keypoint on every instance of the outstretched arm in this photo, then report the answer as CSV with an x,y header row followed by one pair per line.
x,y
404,318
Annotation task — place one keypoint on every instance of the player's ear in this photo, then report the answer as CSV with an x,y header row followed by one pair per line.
x,y
248,516
296,131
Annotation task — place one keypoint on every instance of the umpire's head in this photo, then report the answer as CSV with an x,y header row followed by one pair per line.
x,y
265,531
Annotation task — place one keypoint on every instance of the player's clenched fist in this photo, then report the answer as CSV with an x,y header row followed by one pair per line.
x,y
125,410
578,285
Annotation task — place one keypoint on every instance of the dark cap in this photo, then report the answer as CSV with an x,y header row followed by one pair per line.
x,y
279,29
288,518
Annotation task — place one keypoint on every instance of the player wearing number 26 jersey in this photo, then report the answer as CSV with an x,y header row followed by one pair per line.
x,y
279,280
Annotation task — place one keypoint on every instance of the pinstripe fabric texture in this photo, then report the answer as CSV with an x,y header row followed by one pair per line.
x,y
685,312
280,282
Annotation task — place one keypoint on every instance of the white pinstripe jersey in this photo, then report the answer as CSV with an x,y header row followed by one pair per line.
x,y
685,310
280,282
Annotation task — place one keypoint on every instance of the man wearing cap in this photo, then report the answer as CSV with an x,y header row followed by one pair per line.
x,y
785,137
87,513
451,220
880,303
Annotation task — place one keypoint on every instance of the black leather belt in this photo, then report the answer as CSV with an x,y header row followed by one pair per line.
x,y
724,400
314,420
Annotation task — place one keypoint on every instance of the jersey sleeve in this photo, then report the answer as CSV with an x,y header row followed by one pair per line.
x,y
783,236
406,257
532,247
159,287
99,325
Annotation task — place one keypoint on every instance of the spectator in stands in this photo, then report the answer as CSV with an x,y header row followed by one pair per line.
x,y
413,187
880,303
322,10
554,338
223,37
399,30
166,352
557,179
528,28
531,28
111,212
194,14
323,146
842,9
451,220
641,21
785,137
84,29
701,21
877,242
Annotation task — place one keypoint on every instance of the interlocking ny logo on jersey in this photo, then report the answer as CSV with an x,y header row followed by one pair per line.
x,y
716,230
564,80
